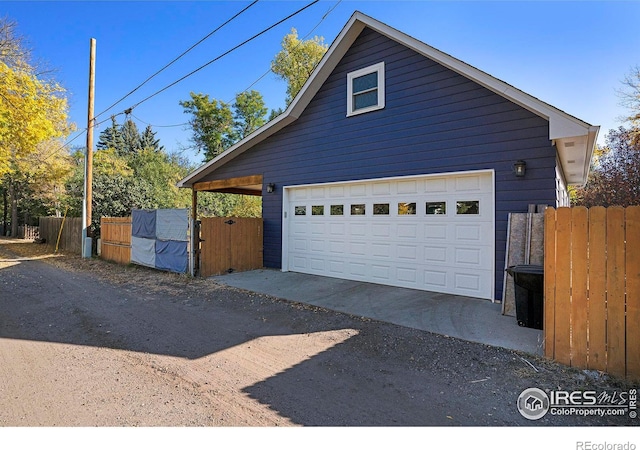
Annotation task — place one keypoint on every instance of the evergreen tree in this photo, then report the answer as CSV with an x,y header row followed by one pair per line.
x,y
130,137
111,137
148,140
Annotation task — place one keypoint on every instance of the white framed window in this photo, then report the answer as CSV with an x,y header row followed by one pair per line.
x,y
365,89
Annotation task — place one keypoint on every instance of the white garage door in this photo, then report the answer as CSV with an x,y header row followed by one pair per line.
x,y
433,233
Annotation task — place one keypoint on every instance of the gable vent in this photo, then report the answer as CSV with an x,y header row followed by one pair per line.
x,y
569,144
571,161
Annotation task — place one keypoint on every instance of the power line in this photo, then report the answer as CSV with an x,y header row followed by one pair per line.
x,y
80,133
178,57
326,14
84,130
299,43
159,126
128,110
224,54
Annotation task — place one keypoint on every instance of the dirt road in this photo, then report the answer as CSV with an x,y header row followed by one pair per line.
x,y
88,343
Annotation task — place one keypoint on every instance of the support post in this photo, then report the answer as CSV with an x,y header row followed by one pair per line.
x,y
195,235
88,166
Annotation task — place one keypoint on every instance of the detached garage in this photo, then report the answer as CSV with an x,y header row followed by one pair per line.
x,y
395,165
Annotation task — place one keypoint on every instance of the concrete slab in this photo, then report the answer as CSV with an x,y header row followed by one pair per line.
x,y
467,318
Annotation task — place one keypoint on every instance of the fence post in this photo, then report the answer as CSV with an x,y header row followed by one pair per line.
x,y
549,281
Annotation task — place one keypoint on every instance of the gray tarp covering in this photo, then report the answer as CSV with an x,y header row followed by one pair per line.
x,y
172,224
143,223
143,251
171,255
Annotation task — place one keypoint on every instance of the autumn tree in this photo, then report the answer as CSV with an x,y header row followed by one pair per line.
x,y
13,52
296,61
615,176
33,116
630,98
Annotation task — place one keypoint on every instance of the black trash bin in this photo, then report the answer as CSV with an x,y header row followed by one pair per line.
x,y
529,291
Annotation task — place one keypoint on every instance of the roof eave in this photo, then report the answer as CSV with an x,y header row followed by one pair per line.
x,y
562,126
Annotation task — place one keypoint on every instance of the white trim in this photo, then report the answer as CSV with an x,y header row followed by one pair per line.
x,y
397,178
379,70
285,230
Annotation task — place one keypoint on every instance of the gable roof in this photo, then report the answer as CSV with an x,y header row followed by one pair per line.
x,y
574,138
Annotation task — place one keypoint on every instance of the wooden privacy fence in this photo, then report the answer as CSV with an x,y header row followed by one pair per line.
x,y
592,288
69,230
115,239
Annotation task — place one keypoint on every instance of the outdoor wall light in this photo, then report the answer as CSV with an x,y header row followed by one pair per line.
x,y
271,188
520,167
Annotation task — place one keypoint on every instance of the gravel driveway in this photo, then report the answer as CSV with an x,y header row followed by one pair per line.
x,y
84,342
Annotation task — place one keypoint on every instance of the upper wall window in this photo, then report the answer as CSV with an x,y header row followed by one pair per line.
x,y
365,89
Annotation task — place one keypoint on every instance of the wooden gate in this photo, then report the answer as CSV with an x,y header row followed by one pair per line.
x,y
230,244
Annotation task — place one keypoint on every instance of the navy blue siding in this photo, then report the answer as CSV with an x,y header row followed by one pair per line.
x,y
434,121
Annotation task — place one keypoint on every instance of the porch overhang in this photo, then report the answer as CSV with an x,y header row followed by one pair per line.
x,y
249,185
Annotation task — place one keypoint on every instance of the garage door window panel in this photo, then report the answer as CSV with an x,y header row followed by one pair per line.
x,y
436,208
468,207
337,210
358,209
406,209
381,209
317,210
300,210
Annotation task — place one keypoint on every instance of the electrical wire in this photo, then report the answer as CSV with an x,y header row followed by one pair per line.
x,y
326,14
178,57
223,54
129,110
299,43
159,126
80,133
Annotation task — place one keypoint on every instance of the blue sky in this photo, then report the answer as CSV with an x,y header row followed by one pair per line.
x,y
572,54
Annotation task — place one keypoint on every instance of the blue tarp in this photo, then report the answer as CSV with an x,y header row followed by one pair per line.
x,y
143,223
171,255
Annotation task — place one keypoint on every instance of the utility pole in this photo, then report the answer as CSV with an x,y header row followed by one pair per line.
x,y
88,160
